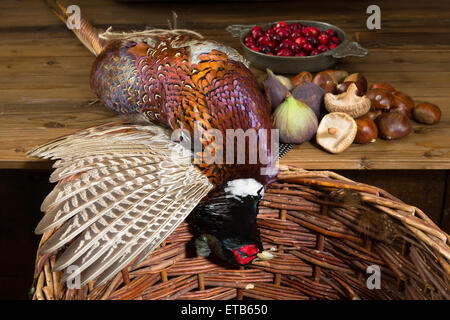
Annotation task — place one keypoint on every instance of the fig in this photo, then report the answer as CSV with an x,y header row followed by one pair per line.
x,y
367,130
312,95
427,113
393,125
277,91
380,99
296,121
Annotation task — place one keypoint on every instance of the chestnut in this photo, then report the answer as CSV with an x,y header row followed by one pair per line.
x,y
427,113
337,75
373,114
393,125
402,103
382,85
381,99
324,80
303,76
360,80
367,130
342,87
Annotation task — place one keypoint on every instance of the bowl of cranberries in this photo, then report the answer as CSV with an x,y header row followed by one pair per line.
x,y
295,45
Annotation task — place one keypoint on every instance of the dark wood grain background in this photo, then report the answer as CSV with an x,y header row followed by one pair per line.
x,y
44,93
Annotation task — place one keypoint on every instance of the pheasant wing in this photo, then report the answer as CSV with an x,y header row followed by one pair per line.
x,y
122,189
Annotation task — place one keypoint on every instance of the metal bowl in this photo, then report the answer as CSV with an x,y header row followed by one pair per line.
x,y
294,65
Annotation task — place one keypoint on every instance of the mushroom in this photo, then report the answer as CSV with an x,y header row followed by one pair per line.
x,y
336,132
348,102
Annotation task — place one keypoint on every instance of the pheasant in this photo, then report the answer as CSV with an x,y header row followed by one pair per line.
x,y
124,187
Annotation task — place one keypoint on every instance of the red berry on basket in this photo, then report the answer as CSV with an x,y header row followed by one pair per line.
x,y
295,48
284,53
334,40
323,38
300,41
314,31
312,40
305,31
322,47
315,52
276,39
285,44
330,32
257,32
263,40
301,54
332,46
296,26
281,24
254,49
265,49
307,47
249,41
271,45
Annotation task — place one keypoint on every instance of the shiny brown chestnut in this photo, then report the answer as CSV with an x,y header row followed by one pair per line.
x,y
393,125
360,80
402,103
427,113
324,80
382,85
381,99
367,130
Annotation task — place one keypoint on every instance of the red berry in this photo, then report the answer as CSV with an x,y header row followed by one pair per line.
x,y
265,49
276,38
314,31
295,26
332,46
301,54
330,32
281,24
295,47
257,32
254,49
300,41
315,52
334,40
270,32
312,40
271,45
263,40
249,41
295,34
305,31
323,38
284,53
283,33
307,47
322,47
285,44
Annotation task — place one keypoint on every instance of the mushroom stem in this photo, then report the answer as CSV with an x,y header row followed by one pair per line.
x,y
333,131
350,94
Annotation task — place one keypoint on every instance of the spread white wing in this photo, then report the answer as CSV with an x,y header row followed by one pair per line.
x,y
122,190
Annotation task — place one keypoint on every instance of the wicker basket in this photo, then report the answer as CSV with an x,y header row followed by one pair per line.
x,y
325,231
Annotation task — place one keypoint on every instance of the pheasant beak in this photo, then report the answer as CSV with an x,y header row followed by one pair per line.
x,y
265,255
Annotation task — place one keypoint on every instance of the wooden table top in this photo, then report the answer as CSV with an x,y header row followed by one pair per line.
x,y
44,69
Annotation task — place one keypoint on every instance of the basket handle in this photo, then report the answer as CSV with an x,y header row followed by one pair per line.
x,y
237,30
348,48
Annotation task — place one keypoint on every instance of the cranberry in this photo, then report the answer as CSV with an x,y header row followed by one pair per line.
x,y
332,46
284,53
305,31
312,40
300,41
257,32
276,38
249,41
314,31
285,44
301,54
271,45
296,26
254,49
322,47
315,52
281,24
295,47
334,40
270,32
295,34
265,49
283,33
323,38
263,40
307,47
330,32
